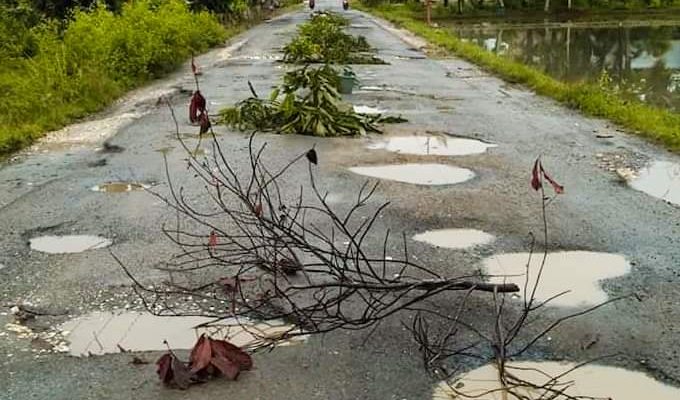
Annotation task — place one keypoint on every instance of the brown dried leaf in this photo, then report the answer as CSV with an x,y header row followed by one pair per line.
x,y
231,352
164,369
228,368
196,106
181,374
200,354
535,175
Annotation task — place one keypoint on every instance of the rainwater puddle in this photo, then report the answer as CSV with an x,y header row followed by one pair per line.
x,y
455,238
660,179
165,150
68,244
577,271
368,110
103,332
593,381
432,145
419,174
119,187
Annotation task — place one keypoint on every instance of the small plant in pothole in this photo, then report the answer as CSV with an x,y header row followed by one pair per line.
x,y
307,103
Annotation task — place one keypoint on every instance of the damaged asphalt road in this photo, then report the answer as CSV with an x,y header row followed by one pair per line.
x,y
47,190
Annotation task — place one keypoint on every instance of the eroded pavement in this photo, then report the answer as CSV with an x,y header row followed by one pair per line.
x,y
47,190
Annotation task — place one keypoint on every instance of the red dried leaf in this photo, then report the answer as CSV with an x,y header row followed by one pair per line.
x,y
535,175
200,354
182,376
231,352
212,240
204,122
196,106
164,369
258,210
559,189
228,368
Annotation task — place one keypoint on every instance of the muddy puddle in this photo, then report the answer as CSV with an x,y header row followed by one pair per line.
x,y
368,110
455,238
419,174
68,244
577,271
660,179
119,187
107,332
591,381
431,145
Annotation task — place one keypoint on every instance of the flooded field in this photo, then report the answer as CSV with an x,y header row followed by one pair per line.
x,y
642,58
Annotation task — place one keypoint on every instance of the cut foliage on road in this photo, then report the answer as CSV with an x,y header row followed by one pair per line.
x,y
308,103
323,40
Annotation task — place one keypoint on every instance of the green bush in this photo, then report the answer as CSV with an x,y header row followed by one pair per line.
x,y
79,67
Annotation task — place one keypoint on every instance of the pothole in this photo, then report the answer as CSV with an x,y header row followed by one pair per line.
x,y
419,174
367,110
432,145
660,179
576,271
68,244
107,332
590,381
164,150
455,238
119,187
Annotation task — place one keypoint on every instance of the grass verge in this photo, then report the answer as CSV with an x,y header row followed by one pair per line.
x,y
83,66
655,123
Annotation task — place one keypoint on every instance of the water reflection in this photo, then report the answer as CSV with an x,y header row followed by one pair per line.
x,y
643,61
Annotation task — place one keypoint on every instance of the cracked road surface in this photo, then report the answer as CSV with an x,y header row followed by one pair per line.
x,y
46,190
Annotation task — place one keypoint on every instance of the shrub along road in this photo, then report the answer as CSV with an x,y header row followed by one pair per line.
x,y
46,190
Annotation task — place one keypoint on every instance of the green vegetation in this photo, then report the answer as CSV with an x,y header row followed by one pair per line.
x,y
306,103
593,99
61,60
322,40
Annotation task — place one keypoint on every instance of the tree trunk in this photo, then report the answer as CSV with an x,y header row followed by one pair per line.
x,y
460,6
547,6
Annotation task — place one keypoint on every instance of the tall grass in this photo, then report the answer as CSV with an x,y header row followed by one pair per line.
x,y
658,124
79,68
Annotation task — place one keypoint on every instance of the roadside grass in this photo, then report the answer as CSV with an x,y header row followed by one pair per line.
x,y
655,123
83,66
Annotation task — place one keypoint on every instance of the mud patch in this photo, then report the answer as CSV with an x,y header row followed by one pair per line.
x,y
119,187
68,244
455,238
595,381
577,271
106,332
419,174
660,179
432,145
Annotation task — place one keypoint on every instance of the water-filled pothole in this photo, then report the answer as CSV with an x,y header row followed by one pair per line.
x,y
107,332
660,179
367,110
419,174
596,381
455,238
119,187
432,145
577,271
68,244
